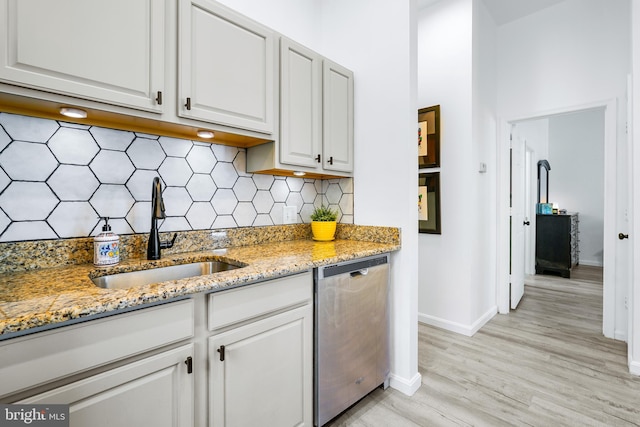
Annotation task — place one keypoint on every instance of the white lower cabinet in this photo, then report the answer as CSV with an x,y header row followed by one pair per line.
x,y
155,391
238,357
261,372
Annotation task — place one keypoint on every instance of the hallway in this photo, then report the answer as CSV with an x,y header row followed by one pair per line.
x,y
544,364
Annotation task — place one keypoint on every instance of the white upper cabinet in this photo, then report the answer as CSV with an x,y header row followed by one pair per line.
x,y
337,117
316,118
300,105
226,67
106,51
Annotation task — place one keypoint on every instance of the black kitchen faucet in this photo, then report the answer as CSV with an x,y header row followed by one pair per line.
x,y
157,212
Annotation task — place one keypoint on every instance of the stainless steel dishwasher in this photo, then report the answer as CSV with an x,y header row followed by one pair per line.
x,y
351,333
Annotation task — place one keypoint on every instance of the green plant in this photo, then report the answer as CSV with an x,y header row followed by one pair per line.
x,y
323,213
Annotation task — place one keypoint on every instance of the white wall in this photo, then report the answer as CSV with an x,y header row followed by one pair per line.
x,y
576,181
572,55
377,41
385,115
444,78
296,19
483,149
456,70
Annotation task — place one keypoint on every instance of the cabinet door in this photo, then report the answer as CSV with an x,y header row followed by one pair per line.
x,y
265,378
156,391
109,51
300,105
337,117
226,67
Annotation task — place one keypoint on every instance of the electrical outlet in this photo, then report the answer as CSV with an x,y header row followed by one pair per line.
x,y
289,215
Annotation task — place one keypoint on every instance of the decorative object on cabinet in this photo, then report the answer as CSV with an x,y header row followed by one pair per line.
x,y
429,137
543,181
429,203
557,243
323,223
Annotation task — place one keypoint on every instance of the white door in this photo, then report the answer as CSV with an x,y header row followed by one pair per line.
x,y
530,210
518,218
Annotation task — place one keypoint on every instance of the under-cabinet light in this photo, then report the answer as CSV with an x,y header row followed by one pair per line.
x,y
207,134
299,173
74,113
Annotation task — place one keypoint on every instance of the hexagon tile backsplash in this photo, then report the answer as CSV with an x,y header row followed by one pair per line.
x,y
58,178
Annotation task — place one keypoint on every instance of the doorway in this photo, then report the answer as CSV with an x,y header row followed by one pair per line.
x,y
614,278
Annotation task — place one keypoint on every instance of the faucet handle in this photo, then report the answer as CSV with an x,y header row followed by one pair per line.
x,y
168,244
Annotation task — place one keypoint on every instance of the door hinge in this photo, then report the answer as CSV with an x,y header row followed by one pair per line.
x,y
221,351
189,363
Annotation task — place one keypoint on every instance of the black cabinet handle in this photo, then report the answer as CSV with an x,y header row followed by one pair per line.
x,y
189,363
623,236
188,104
221,351
526,223
159,98
330,161
318,158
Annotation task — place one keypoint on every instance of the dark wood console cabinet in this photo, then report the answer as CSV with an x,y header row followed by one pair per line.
x,y
557,243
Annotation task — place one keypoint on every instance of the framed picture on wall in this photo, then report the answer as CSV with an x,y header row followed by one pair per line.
x,y
429,137
429,203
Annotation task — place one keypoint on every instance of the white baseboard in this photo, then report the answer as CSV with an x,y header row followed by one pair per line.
x,y
620,335
634,368
460,328
406,386
591,263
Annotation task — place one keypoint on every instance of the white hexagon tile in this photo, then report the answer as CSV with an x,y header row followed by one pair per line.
x,y
146,153
58,178
201,187
26,161
73,146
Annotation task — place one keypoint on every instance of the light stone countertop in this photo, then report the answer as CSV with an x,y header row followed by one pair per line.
x,y
43,297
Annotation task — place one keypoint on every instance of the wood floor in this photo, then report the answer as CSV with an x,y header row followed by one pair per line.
x,y
544,364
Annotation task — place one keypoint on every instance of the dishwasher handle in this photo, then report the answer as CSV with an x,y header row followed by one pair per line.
x,y
359,267
362,272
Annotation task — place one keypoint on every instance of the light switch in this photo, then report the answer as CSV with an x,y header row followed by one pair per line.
x,y
289,215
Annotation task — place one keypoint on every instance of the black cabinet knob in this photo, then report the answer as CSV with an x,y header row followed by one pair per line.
x,y
623,236
526,223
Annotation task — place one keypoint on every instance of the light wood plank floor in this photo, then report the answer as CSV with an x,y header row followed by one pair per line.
x,y
544,364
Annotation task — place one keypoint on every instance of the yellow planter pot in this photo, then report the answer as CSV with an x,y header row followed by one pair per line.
x,y
323,231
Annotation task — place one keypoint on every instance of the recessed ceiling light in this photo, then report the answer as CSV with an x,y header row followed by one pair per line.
x,y
74,113
299,173
207,134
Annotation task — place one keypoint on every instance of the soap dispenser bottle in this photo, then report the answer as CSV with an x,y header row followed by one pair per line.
x,y
106,247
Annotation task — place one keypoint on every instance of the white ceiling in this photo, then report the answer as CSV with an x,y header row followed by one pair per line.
x,y
504,11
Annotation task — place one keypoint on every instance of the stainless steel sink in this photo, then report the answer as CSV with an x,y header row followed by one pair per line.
x,y
161,274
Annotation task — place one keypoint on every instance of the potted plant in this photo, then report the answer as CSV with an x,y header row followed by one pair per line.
x,y
323,223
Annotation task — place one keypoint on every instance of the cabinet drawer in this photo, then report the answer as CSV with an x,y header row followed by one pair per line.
x,y
47,356
237,305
